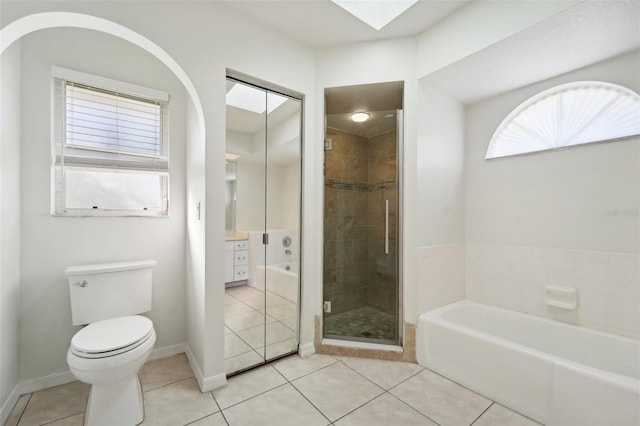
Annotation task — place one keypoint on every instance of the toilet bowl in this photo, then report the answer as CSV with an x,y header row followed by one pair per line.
x,y
115,342
108,355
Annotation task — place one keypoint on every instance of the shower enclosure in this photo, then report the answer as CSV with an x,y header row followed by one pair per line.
x,y
362,206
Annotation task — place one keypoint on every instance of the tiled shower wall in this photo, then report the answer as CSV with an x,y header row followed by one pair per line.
x,y
346,222
515,277
359,176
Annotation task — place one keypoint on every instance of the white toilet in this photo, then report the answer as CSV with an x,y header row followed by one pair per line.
x,y
110,351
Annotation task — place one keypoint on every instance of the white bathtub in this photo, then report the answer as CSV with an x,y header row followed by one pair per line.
x,y
281,279
555,373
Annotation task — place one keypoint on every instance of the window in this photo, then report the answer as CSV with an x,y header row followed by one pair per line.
x,y
567,115
110,147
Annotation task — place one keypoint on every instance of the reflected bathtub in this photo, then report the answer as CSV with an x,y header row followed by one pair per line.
x,y
281,279
555,373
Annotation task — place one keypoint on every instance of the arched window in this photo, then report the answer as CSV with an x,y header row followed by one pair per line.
x,y
566,115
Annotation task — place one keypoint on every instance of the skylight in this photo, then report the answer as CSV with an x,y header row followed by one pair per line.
x,y
375,13
253,100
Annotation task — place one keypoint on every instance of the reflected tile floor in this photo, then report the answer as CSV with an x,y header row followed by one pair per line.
x,y
316,390
245,333
362,323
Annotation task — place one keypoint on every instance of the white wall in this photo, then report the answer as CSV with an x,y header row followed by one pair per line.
x,y
9,226
282,199
440,168
50,244
478,25
250,197
195,243
547,218
440,200
283,183
291,196
205,39
553,198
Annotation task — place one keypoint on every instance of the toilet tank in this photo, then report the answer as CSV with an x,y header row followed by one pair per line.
x,y
109,290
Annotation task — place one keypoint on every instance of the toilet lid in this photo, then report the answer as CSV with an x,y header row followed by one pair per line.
x,y
112,335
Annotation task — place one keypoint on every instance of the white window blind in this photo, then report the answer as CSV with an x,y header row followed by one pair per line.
x,y
567,115
111,150
97,119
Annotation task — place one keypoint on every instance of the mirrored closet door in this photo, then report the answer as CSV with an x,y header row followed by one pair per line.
x,y
262,201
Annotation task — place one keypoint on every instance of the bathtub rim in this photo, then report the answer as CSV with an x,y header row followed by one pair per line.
x,y
616,379
272,267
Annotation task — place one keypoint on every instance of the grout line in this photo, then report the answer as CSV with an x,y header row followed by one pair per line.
x,y
254,396
484,411
290,382
169,384
360,406
310,402
371,381
314,371
362,375
24,410
410,377
61,418
245,342
219,408
412,407
463,386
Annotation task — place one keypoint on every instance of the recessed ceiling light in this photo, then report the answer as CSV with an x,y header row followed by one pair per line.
x,y
231,157
254,100
375,13
359,117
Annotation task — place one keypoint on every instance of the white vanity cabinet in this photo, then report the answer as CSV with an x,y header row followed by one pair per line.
x,y
236,261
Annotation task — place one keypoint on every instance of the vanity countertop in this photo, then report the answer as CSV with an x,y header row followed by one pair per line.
x,y
236,236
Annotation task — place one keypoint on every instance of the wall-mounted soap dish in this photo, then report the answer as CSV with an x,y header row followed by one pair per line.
x,y
561,297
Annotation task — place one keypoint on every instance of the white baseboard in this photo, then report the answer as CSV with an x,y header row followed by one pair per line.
x,y
35,384
195,368
167,351
6,408
306,349
214,382
206,384
63,377
45,382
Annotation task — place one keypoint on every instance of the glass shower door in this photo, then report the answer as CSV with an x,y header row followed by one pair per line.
x,y
361,228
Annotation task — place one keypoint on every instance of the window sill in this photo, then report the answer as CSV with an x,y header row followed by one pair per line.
x,y
109,213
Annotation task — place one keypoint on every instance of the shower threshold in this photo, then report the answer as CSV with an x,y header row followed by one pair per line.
x,y
361,345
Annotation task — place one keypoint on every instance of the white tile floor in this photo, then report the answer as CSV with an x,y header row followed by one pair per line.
x,y
317,390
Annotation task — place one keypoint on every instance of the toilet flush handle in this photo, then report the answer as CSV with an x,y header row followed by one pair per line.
x,y
82,283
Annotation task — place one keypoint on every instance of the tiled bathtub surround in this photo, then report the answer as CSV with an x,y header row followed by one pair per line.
x,y
514,277
441,277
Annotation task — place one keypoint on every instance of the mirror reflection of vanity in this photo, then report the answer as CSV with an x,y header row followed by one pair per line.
x,y
236,247
262,209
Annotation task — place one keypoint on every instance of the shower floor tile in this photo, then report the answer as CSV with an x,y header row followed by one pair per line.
x,y
362,324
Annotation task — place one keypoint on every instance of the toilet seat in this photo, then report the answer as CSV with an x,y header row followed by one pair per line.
x,y
111,337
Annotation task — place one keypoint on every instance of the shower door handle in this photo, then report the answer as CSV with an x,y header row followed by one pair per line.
x,y
386,226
